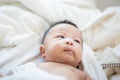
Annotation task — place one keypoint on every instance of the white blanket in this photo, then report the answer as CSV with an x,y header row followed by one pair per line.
x,y
23,21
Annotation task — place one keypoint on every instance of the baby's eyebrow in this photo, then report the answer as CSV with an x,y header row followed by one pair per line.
x,y
77,37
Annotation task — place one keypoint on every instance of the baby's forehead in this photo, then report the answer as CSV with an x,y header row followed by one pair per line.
x,y
66,29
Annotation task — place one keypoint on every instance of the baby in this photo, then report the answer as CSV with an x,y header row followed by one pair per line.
x,y
62,50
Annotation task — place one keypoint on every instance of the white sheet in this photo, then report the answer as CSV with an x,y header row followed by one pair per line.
x,y
21,25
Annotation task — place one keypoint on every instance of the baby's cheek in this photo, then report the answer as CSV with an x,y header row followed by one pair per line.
x,y
54,47
79,53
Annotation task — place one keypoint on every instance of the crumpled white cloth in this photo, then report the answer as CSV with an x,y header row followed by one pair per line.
x,y
20,30
115,77
110,55
91,65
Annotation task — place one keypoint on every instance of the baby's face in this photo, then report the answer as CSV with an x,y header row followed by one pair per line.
x,y
63,44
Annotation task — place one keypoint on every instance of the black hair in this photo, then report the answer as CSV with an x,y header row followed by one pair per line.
x,y
56,23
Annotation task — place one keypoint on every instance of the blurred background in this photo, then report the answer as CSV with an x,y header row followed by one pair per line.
x,y
103,4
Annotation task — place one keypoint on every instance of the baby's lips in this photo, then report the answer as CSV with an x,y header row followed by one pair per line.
x,y
69,50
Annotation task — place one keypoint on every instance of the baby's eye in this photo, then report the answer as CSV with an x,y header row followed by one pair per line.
x,y
60,36
77,41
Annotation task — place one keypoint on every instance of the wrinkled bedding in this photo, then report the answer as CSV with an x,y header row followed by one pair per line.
x,y
22,23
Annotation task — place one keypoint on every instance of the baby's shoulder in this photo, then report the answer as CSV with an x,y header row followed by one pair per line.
x,y
82,74
85,75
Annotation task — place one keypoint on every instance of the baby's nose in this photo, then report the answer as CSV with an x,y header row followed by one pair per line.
x,y
69,42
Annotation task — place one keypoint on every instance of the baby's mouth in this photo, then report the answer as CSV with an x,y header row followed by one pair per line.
x,y
69,51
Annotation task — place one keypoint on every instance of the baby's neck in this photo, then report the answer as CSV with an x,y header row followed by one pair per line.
x,y
59,64
56,64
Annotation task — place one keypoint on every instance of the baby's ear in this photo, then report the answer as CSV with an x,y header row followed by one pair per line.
x,y
42,51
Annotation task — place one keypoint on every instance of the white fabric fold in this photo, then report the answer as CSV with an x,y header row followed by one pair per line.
x,y
91,65
21,27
